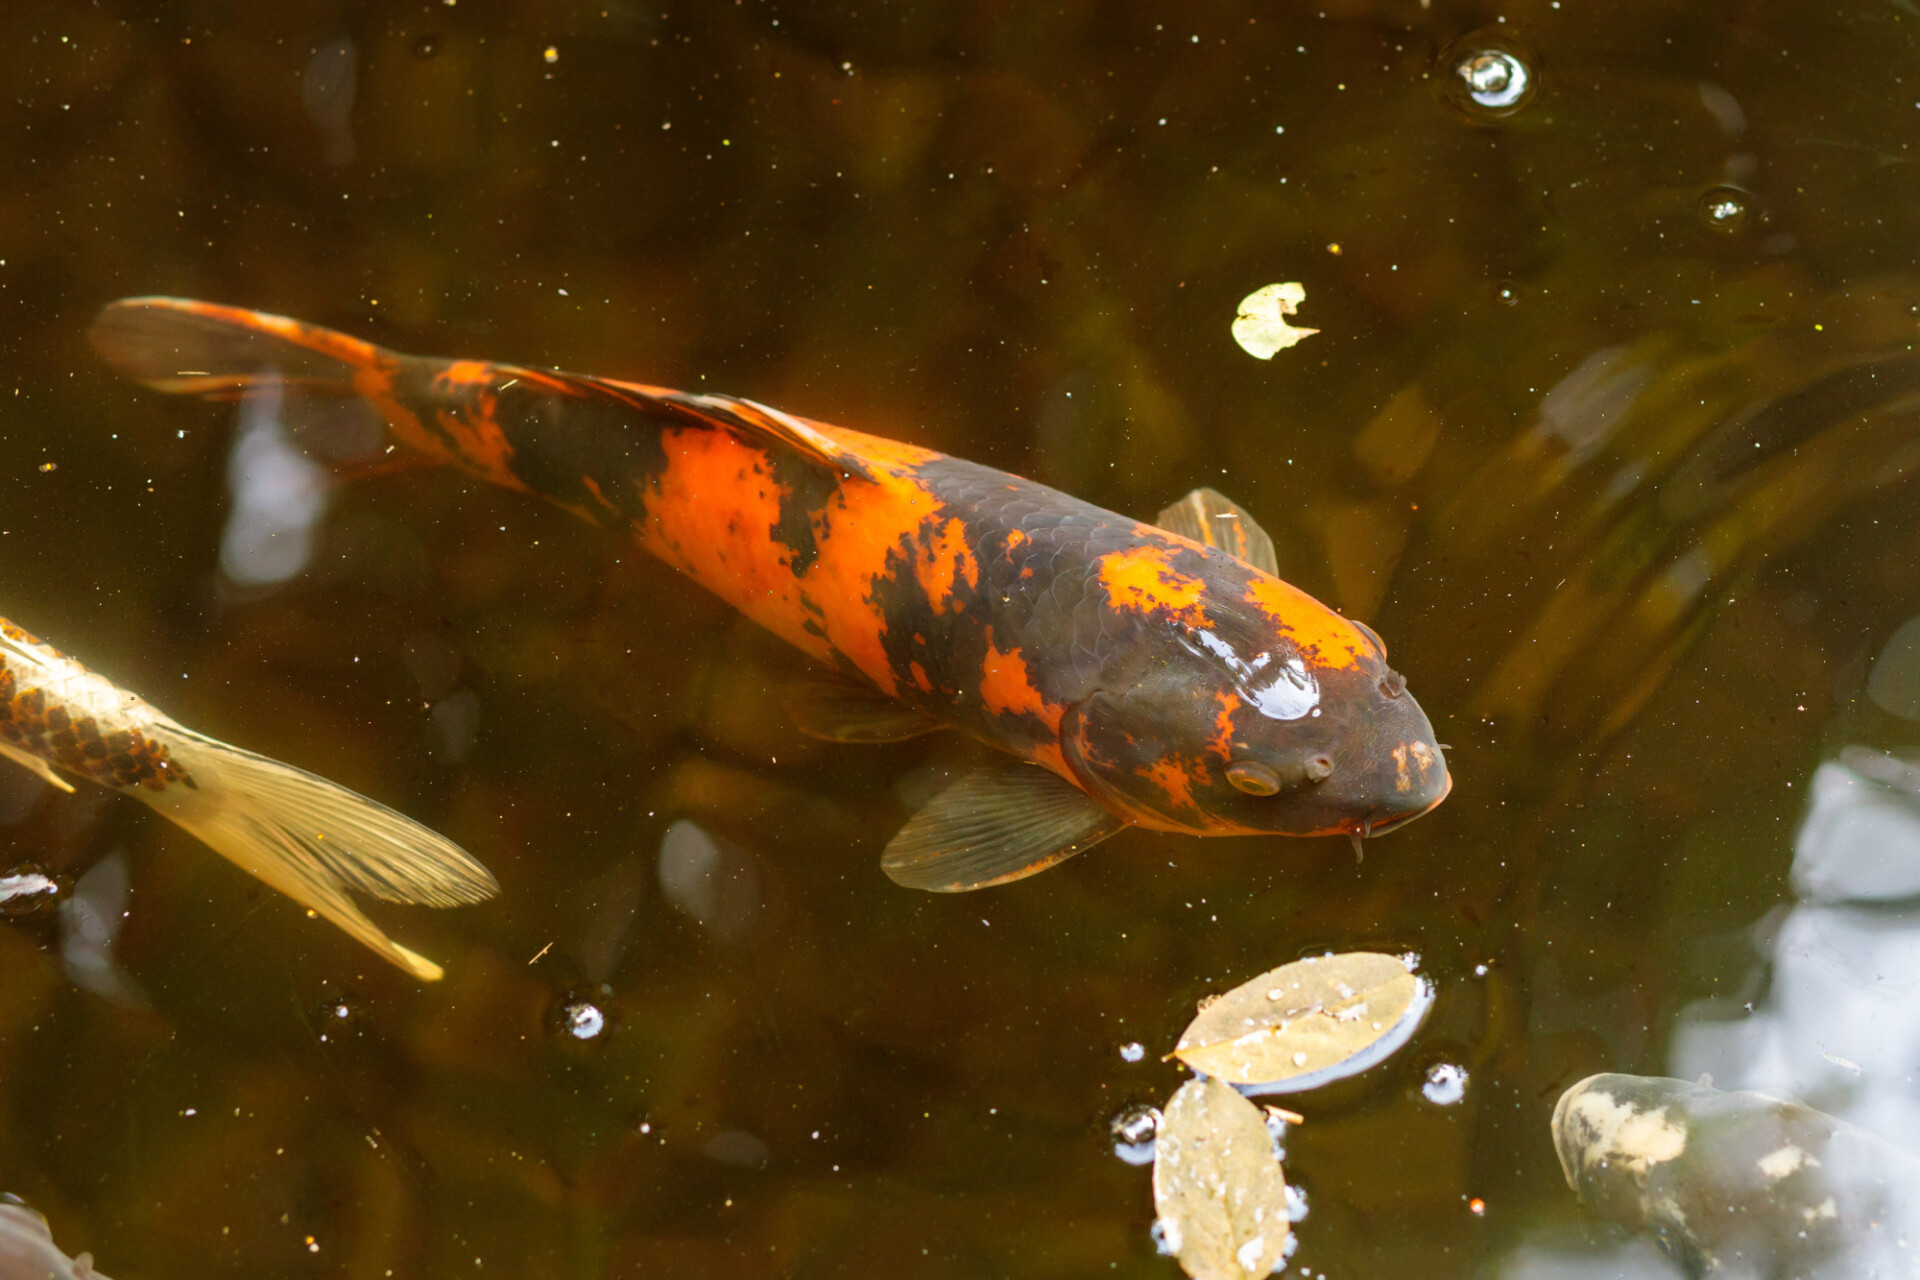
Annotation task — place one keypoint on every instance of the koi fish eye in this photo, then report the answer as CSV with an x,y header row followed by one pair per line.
x,y
1257,779
1372,635
1253,778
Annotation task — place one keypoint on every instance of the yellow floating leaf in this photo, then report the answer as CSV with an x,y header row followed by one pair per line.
x,y
1306,1023
1261,328
1217,1185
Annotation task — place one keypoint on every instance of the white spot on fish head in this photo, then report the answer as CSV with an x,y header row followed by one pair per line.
x,y
1278,686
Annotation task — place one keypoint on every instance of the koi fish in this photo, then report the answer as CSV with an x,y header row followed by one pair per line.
x,y
307,837
1740,1184
1160,676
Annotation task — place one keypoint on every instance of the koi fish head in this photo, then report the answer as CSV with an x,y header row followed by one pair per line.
x,y
1238,730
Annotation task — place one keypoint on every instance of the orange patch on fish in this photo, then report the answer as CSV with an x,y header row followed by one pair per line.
x,y
1142,579
1417,754
1171,777
1221,743
1324,637
946,560
1006,686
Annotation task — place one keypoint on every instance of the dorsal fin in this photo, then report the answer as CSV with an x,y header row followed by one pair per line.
x,y
181,346
1212,519
753,422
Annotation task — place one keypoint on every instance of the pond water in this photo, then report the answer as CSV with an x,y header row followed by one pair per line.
x,y
1608,429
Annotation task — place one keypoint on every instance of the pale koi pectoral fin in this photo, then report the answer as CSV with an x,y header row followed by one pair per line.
x,y
1212,519
844,711
995,825
35,763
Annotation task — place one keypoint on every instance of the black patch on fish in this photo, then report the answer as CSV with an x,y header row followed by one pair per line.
x,y
417,390
948,645
804,491
559,442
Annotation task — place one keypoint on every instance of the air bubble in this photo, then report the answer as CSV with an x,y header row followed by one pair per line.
x,y
1133,1130
1487,76
27,890
1726,208
1446,1084
426,47
576,1018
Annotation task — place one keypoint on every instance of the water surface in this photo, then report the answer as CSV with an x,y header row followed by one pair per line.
x,y
1607,430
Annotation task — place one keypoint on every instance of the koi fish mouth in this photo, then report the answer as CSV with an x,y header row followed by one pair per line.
x,y
1367,828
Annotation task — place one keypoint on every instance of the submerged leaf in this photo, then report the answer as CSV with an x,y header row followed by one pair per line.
x,y
1261,328
1217,1185
1306,1023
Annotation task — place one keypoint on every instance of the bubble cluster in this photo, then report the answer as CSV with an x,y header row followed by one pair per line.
x,y
1133,1129
27,890
1487,76
337,1016
576,1018
1726,208
1445,1085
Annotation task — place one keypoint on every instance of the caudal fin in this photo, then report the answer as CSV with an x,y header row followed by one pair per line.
x,y
313,839
201,348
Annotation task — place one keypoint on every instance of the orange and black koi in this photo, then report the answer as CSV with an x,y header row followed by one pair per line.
x,y
1161,676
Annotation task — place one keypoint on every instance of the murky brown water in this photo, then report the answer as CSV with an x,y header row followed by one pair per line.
x,y
1616,462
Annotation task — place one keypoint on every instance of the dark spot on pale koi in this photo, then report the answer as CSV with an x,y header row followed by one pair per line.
x,y
123,758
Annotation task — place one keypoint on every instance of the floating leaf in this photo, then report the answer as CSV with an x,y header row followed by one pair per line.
x,y
1304,1024
1261,328
1217,1185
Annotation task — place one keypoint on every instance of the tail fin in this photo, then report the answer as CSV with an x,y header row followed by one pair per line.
x,y
313,839
475,414
200,348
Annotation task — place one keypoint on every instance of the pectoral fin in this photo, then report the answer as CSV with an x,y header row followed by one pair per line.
x,y
992,826
34,763
1215,520
844,711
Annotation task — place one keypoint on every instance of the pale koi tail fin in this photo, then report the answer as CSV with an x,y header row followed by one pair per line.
x,y
313,839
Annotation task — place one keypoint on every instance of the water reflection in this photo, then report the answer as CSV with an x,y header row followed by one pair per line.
x,y
1839,1025
328,87
710,879
279,497
91,920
